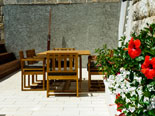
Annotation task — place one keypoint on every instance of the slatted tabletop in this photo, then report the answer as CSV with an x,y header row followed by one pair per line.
x,y
80,52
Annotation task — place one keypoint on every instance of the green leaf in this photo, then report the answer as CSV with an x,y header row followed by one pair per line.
x,y
128,95
140,58
133,98
131,76
147,94
151,112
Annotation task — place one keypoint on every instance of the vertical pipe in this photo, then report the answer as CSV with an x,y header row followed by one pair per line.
x,y
49,31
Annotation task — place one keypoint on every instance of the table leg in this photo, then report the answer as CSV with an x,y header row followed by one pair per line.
x,y
80,68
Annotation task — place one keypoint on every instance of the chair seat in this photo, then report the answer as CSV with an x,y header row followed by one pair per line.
x,y
32,66
33,71
61,73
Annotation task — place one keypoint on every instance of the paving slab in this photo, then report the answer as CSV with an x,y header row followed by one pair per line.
x,y
14,102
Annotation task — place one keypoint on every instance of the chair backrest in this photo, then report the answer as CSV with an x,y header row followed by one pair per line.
x,y
30,54
62,67
21,56
63,49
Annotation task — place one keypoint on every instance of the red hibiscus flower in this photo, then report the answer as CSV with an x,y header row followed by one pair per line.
x,y
118,104
148,67
117,96
122,114
133,48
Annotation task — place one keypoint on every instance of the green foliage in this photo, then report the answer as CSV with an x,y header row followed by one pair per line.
x,y
111,65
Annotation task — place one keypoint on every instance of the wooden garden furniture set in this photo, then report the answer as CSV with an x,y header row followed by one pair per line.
x,y
59,63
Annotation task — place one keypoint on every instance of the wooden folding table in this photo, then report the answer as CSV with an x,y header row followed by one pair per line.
x,y
80,53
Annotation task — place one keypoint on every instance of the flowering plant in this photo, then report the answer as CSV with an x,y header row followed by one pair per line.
x,y
131,73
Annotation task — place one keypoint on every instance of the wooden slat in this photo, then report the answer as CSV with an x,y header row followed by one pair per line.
x,y
71,62
62,71
63,49
62,77
32,59
28,80
33,69
48,64
76,63
59,62
53,63
65,63
80,52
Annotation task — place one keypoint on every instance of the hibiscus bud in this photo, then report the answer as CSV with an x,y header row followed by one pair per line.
x,y
125,49
151,30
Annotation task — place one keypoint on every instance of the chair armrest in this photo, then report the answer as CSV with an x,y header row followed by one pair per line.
x,y
32,59
92,57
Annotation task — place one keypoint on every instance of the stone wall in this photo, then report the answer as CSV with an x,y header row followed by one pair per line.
x,y
55,1
1,22
81,26
141,12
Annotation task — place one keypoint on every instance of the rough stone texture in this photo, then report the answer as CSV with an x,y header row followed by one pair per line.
x,y
1,19
54,1
144,12
24,1
135,1
152,7
0,10
80,26
140,24
78,1
1,2
10,2
1,22
141,10
63,1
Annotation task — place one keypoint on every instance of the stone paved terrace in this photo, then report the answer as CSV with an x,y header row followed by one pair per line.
x,y
14,102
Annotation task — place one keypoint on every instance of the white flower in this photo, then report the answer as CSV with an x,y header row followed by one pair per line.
x,y
146,99
132,109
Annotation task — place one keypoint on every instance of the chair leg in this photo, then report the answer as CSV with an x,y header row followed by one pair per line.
x,y
89,81
22,81
32,79
77,88
44,81
29,81
47,88
36,77
25,81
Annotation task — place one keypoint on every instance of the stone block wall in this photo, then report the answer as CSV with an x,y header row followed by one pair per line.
x,y
140,13
1,22
55,1
143,12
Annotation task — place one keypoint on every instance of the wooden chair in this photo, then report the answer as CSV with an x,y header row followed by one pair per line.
x,y
93,69
62,72
30,70
63,49
30,54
